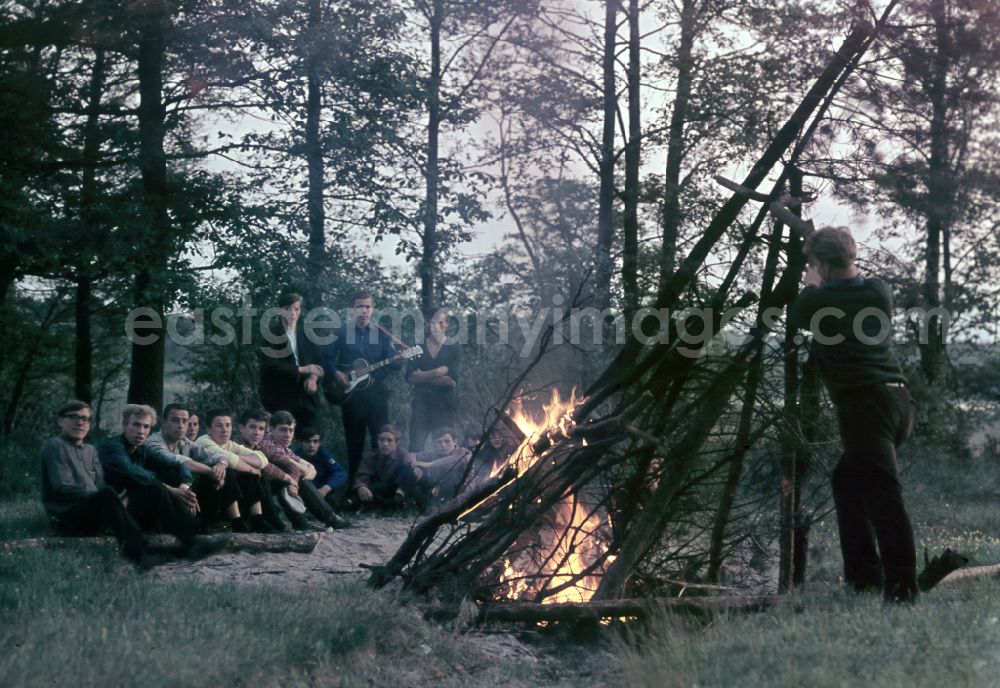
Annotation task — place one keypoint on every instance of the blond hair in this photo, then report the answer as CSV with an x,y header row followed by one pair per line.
x,y
140,410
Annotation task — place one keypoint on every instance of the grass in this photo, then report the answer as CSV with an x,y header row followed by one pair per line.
x,y
826,636
72,618
82,617
951,638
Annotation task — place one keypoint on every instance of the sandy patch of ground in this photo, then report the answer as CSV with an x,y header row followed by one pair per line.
x,y
339,553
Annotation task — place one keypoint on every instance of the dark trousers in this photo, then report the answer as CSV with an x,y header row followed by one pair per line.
x,y
262,490
868,494
213,500
383,494
250,488
363,413
103,511
427,414
158,511
306,417
384,491
336,497
315,504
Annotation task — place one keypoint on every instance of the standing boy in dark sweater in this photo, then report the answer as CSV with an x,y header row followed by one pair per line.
x,y
850,318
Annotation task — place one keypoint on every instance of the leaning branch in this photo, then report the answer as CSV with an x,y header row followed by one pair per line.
x,y
781,208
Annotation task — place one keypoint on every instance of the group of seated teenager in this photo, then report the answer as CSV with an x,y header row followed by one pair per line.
x,y
244,471
138,482
391,477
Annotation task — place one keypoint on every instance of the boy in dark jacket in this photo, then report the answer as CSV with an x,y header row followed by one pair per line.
x,y
385,477
331,477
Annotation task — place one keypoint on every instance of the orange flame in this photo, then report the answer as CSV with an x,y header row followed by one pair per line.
x,y
572,541
557,418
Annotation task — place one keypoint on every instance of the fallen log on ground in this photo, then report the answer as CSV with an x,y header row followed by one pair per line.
x,y
532,612
254,543
990,571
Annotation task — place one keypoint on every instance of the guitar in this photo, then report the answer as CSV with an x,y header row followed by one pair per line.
x,y
359,376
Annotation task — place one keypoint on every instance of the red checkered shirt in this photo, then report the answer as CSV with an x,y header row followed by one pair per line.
x,y
283,459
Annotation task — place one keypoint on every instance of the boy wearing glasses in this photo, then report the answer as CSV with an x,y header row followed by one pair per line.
x,y
74,493
79,501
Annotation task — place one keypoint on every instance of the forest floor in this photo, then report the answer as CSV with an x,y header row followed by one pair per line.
x,y
339,554
80,616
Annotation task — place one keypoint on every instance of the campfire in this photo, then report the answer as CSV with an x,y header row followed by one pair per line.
x,y
557,419
562,558
535,529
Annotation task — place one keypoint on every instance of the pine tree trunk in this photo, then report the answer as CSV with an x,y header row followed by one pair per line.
x,y
630,227
146,374
606,162
671,218
939,194
314,161
83,354
791,453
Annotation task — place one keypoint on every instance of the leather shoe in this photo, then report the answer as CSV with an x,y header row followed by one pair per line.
x,y
336,521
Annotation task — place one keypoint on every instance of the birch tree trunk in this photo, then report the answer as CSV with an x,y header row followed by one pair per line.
x,y
429,257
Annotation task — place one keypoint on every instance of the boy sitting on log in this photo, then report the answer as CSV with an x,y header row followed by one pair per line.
x,y
331,477
74,493
384,478
298,473
218,487
80,502
256,493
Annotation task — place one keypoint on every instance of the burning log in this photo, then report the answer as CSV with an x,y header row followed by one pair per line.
x,y
575,612
537,478
512,427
